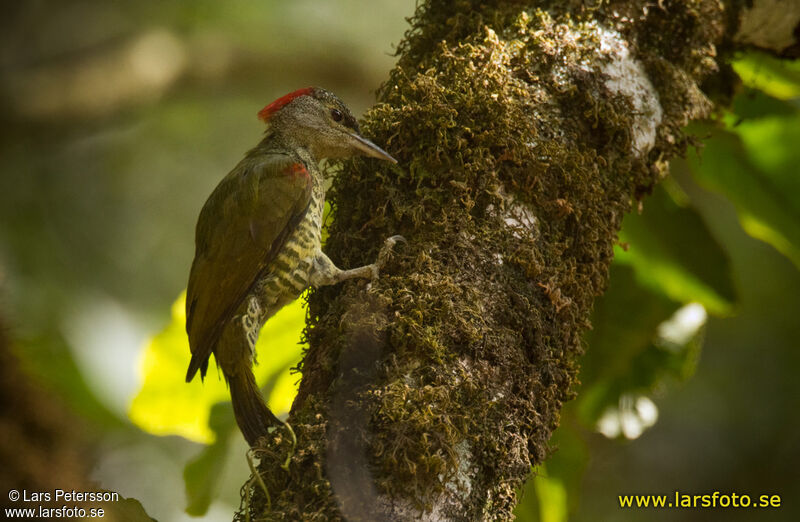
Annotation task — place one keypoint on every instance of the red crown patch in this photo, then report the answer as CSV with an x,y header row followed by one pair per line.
x,y
266,113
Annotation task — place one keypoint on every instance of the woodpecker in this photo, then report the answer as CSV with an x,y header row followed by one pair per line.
x,y
258,242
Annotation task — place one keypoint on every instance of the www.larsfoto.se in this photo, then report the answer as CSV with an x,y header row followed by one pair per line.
x,y
712,500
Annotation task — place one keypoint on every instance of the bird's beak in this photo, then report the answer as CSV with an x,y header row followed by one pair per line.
x,y
370,149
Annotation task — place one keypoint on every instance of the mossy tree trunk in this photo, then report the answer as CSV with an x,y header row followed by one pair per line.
x,y
524,130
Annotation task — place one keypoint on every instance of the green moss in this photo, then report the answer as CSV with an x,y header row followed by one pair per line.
x,y
496,115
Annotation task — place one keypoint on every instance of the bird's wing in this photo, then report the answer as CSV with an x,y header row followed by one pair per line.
x,y
241,229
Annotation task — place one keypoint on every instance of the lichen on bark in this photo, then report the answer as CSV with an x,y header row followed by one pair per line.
x,y
524,132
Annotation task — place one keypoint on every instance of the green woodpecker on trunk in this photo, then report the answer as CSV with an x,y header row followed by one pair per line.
x,y
258,242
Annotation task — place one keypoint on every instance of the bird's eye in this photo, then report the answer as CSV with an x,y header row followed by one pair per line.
x,y
336,115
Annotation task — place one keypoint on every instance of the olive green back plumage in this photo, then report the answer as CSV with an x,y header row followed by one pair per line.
x,y
241,229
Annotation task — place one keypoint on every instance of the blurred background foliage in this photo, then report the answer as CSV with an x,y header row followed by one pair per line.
x,y
120,117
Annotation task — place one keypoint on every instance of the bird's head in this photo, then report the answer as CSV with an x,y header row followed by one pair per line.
x,y
317,120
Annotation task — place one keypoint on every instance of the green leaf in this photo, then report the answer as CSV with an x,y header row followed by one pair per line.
x,y
201,475
552,496
553,491
755,166
777,77
543,498
624,324
674,253
568,462
166,405
772,146
754,104
639,338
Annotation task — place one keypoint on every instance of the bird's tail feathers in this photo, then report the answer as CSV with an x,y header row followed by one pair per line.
x,y
197,363
252,414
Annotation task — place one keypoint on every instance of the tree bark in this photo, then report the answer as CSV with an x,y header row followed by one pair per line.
x,y
524,130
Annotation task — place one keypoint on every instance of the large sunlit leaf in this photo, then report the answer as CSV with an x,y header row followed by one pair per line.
x,y
673,252
755,166
166,405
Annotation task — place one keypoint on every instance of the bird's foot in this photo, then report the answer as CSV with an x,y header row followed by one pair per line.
x,y
385,254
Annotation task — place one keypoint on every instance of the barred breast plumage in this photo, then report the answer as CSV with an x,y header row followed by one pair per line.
x,y
288,275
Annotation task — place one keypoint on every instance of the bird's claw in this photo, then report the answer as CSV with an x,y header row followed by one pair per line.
x,y
386,252
391,241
